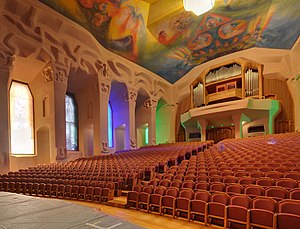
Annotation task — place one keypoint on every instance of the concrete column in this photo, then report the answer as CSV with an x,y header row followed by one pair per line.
x,y
131,130
151,105
104,92
238,126
273,112
294,88
5,66
238,123
297,104
60,84
203,124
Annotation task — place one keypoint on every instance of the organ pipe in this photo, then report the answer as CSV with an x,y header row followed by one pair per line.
x,y
251,83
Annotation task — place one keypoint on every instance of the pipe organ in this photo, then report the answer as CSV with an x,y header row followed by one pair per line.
x,y
237,79
251,83
198,95
223,73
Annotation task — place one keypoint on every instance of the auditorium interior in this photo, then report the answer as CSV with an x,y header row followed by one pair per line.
x,y
150,113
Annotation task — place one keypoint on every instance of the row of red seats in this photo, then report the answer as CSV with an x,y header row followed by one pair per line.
x,y
260,211
228,178
91,168
96,192
287,183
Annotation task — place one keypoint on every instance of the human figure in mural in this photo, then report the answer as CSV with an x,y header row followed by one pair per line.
x,y
122,20
164,39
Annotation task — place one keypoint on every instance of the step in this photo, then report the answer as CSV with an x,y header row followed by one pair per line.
x,y
124,193
119,202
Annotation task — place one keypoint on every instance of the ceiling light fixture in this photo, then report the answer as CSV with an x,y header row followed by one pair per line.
x,y
198,6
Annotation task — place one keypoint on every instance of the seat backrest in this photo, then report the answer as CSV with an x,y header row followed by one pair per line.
x,y
221,198
137,188
241,174
203,185
176,183
148,189
202,195
265,168
265,181
274,174
282,169
178,177
186,193
188,184
234,188
110,185
246,180
154,182
229,179
286,183
254,190
201,177
158,176
191,177
226,173
172,192
240,200
256,174
215,178
217,187
289,206
165,182
294,194
294,175
168,177
263,202
160,190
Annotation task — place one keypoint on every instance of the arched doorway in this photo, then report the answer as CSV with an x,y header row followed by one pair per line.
x,y
162,120
118,100
89,140
142,118
43,145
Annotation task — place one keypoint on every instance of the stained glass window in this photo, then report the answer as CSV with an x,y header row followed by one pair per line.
x,y
146,135
110,125
21,119
71,123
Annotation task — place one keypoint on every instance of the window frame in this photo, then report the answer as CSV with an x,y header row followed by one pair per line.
x,y
146,135
33,121
72,96
112,126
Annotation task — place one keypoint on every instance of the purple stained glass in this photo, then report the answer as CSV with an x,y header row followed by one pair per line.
x,y
71,123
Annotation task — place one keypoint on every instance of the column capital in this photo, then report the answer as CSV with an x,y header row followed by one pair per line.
x,y
60,74
150,103
48,74
104,148
104,87
131,95
61,154
54,72
132,143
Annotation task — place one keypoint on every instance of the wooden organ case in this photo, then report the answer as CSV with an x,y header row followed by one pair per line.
x,y
232,80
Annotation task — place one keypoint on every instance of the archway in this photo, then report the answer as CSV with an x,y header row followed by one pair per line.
x,y
88,140
142,118
162,120
118,100
43,145
120,137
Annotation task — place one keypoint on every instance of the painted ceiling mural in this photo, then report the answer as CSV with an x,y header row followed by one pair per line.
x,y
171,47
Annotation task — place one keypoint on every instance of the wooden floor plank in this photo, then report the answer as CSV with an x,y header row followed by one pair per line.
x,y
144,219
